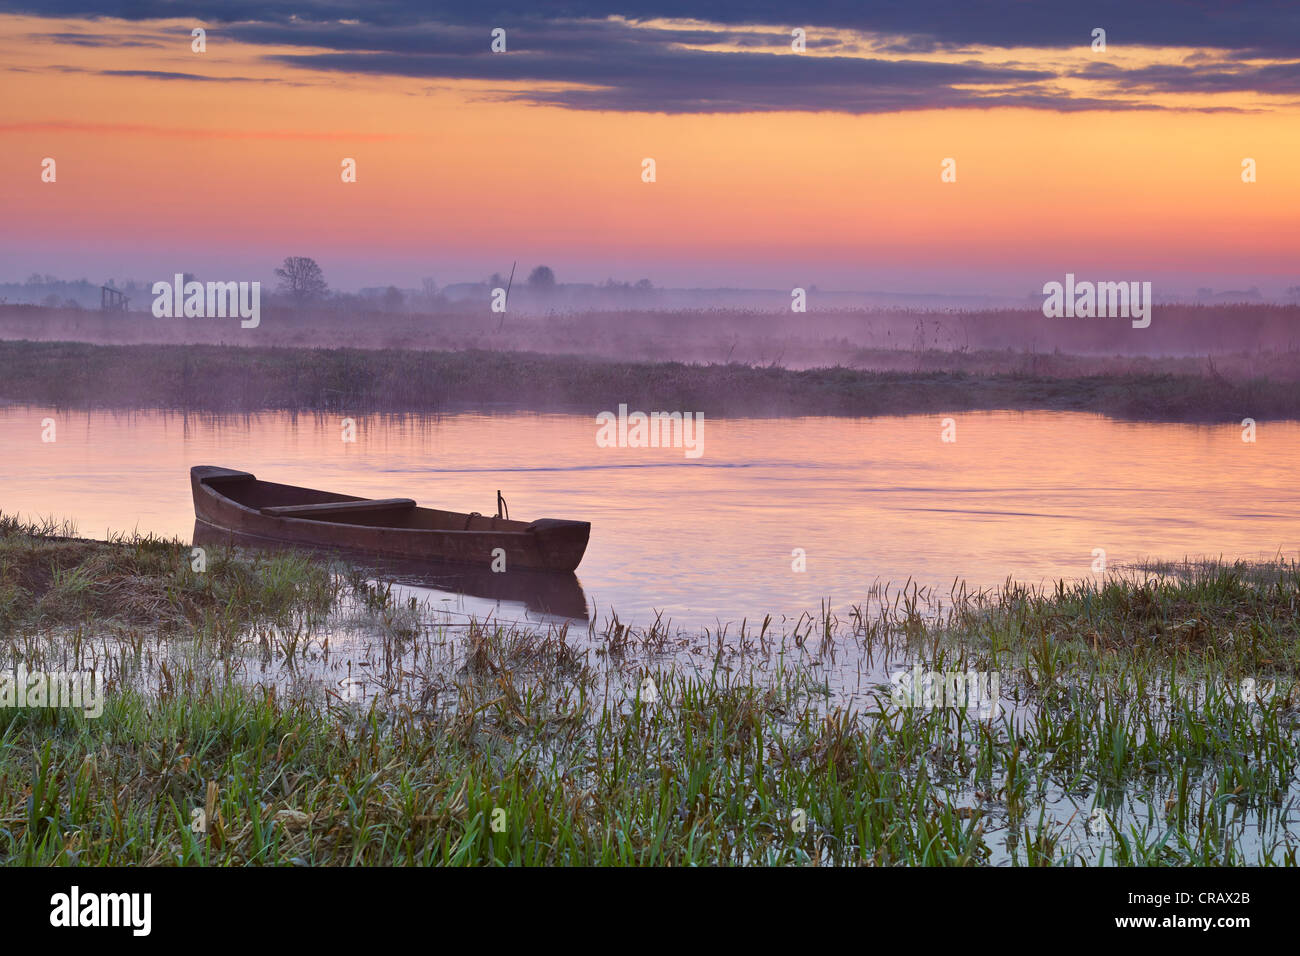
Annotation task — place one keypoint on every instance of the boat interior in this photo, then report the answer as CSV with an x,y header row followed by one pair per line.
x,y
290,501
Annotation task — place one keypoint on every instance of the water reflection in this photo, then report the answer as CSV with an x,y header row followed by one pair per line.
x,y
547,594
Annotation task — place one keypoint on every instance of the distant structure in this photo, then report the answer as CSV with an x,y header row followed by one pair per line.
x,y
111,300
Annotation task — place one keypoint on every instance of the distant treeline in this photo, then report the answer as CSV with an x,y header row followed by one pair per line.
x,y
52,292
355,381
855,338
300,286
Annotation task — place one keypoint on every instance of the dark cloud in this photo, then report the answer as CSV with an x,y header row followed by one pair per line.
x,y
632,67
819,99
96,40
165,75
660,79
1272,25
1281,78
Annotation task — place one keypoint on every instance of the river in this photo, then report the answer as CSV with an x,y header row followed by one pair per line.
x,y
774,517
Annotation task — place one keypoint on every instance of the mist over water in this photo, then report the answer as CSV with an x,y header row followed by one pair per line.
x,y
1261,339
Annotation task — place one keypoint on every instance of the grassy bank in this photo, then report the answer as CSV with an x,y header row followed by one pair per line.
x,y
1148,720
49,577
222,379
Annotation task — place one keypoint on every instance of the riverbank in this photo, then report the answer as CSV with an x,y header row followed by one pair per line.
x,y
1149,719
361,381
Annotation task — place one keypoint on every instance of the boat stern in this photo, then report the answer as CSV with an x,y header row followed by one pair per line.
x,y
560,543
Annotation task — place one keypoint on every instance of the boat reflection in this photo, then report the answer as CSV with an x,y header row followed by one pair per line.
x,y
541,592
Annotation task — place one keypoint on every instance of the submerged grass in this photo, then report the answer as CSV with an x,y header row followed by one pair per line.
x,y
1126,736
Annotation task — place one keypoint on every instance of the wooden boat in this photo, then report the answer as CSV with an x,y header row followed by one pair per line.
x,y
236,501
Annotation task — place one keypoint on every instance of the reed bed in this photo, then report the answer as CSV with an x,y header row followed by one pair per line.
x,y
221,379
1152,718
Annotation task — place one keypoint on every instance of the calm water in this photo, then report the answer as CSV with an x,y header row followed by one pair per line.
x,y
1025,495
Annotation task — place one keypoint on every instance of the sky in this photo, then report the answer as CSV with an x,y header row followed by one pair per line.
x,y
774,167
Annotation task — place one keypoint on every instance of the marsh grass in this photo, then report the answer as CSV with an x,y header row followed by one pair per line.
x,y
1123,736
48,576
210,378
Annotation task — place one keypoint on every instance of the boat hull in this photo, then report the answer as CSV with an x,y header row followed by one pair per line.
x,y
552,593
229,500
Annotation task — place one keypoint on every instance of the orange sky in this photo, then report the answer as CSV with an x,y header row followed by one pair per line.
x,y
156,176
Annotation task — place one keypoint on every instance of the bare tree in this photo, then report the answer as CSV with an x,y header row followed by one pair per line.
x,y
301,278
